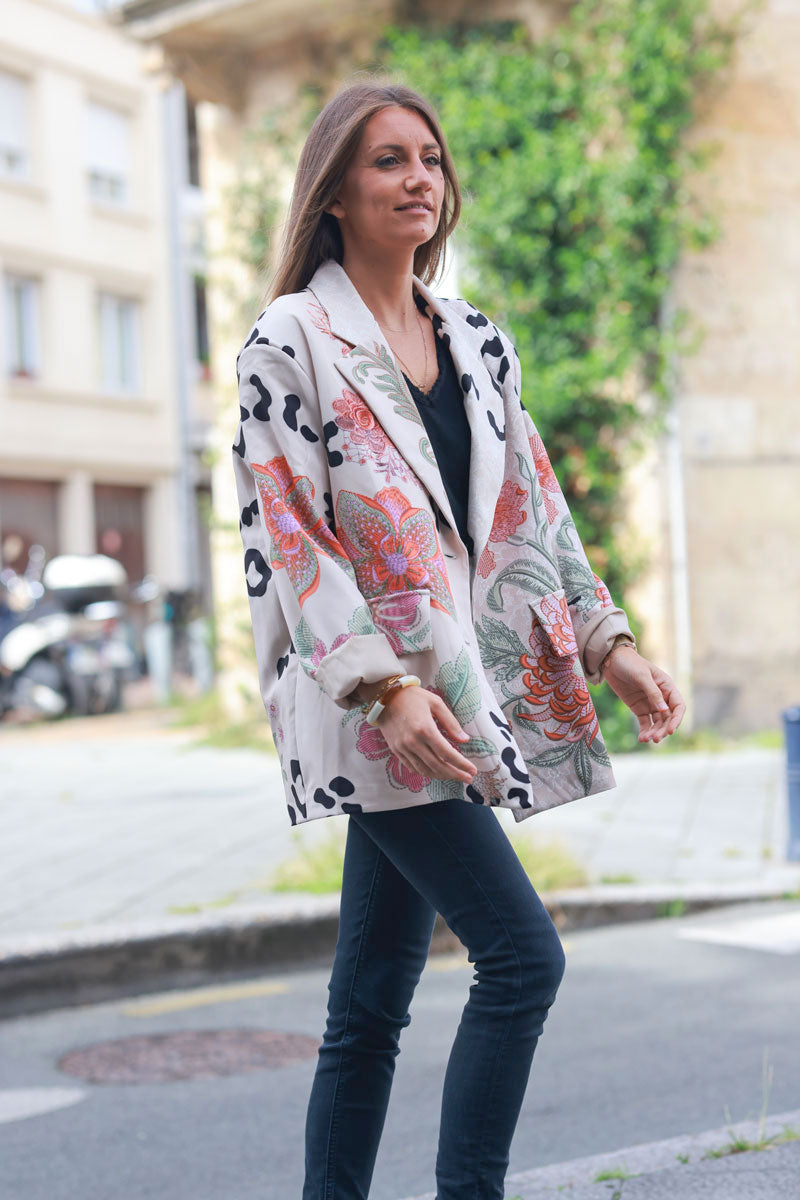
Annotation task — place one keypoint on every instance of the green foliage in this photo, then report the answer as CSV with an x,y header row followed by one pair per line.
x,y
315,867
548,864
572,157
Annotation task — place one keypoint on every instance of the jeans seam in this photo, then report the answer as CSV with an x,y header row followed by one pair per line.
x,y
504,1040
329,1180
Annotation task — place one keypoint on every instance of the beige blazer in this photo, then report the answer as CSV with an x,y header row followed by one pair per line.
x,y
353,574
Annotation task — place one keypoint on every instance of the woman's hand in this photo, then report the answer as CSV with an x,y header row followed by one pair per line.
x,y
648,691
409,724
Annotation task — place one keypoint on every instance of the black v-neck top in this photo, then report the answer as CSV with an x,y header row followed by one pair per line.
x,y
445,421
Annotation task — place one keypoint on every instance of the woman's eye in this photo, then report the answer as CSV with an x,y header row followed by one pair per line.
x,y
387,160
434,160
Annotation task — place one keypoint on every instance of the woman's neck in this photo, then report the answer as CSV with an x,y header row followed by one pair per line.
x,y
388,292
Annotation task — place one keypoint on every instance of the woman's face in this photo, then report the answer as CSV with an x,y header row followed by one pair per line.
x,y
391,195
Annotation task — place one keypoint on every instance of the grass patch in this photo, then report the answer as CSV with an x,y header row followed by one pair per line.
x,y
622,877
315,869
206,714
738,1145
614,1173
672,908
549,865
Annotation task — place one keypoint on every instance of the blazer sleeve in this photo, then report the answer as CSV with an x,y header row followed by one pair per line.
x,y
595,617
298,575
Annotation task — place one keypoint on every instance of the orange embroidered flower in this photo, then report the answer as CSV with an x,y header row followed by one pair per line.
x,y
508,513
546,475
297,532
557,692
392,545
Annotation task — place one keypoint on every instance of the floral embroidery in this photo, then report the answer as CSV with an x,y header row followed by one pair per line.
x,y
297,532
547,477
390,380
373,745
321,321
554,616
392,545
404,618
486,563
508,514
367,438
556,690
274,720
602,592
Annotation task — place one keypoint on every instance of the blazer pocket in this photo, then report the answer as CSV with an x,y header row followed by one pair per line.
x,y
405,618
552,613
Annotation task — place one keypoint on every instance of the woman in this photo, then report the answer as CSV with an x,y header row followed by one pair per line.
x,y
425,621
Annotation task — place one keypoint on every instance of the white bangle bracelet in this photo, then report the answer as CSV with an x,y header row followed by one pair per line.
x,y
403,682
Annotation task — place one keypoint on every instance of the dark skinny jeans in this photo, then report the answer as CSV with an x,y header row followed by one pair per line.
x,y
402,867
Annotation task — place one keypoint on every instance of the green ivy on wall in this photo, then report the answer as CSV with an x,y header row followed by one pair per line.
x,y
575,166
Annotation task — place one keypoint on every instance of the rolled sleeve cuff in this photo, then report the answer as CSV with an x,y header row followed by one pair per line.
x,y
597,637
365,658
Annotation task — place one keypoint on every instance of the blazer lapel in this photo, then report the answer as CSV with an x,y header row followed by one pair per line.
x,y
371,370
483,405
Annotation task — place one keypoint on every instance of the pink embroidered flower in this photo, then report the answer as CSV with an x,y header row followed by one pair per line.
x,y
547,477
322,322
367,437
602,592
508,513
372,744
486,563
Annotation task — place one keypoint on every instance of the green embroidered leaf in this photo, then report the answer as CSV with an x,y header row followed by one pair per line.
x,y
565,529
459,683
551,758
479,746
598,751
445,789
361,621
583,764
426,451
530,576
500,648
304,640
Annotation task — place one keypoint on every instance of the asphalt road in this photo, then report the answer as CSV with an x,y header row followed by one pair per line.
x,y
660,1028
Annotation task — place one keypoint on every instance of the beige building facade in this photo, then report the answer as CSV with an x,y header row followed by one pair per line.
x,y
92,435
715,500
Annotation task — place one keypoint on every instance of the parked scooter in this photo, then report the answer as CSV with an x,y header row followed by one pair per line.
x,y
66,650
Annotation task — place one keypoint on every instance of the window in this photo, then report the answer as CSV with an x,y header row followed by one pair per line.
x,y
108,154
192,143
14,156
201,322
118,322
21,303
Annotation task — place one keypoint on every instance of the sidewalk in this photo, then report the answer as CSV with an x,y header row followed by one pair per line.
x,y
675,1169
122,838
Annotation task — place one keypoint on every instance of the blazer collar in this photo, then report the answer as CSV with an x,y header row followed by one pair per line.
x,y
368,365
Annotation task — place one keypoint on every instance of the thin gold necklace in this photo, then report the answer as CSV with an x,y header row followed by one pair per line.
x,y
404,364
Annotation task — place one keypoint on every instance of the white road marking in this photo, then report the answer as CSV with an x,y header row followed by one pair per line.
x,y
18,1104
777,934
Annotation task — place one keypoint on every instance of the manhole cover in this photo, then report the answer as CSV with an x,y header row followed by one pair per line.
x,y
188,1054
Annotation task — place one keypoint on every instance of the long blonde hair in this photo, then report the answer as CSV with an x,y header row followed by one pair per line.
x,y
313,236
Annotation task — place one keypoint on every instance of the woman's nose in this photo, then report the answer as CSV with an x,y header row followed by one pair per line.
x,y
418,176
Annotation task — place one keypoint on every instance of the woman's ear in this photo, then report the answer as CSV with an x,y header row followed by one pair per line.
x,y
335,209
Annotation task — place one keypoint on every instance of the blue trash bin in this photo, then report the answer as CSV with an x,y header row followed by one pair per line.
x,y
791,729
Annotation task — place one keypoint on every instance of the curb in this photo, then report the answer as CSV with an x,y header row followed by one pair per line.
x,y
103,962
656,1167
